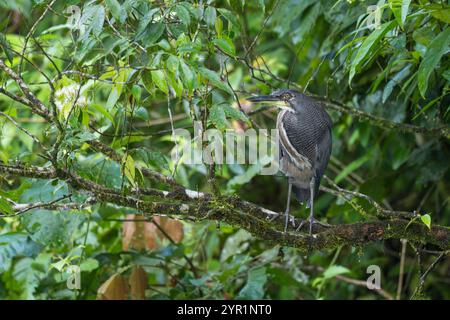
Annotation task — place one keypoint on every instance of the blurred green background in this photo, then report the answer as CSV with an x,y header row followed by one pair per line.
x,y
132,61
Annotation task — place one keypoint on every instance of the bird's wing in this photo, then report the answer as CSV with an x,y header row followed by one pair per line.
x,y
309,134
289,145
323,152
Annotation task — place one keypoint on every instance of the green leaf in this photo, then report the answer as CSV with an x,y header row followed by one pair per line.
x,y
172,64
436,49
397,79
48,227
59,265
144,22
89,265
270,254
5,207
235,244
136,92
187,76
29,273
215,80
285,15
210,16
176,85
308,21
115,9
254,288
237,5
426,107
400,10
218,26
153,33
400,156
183,14
368,46
4,45
226,45
97,20
426,219
147,80
352,167
16,245
153,157
217,117
440,11
334,271
248,175
230,16
129,168
159,79
234,113
103,111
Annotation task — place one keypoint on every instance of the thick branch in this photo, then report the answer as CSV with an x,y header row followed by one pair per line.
x,y
242,214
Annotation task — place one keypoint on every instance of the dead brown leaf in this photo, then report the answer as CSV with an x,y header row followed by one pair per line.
x,y
141,235
138,235
138,283
115,288
173,228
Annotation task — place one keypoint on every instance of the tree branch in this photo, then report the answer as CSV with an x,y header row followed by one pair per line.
x,y
36,104
232,210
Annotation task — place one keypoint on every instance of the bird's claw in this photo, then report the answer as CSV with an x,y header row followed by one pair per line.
x,y
311,222
273,217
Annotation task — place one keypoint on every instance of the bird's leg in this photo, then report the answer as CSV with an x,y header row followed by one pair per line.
x,y
288,205
311,204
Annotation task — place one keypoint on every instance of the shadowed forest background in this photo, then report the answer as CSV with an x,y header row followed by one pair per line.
x,y
90,92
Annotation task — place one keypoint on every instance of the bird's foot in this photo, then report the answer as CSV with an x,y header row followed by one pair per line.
x,y
311,222
273,217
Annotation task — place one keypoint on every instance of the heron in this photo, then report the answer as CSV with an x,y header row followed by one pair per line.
x,y
305,143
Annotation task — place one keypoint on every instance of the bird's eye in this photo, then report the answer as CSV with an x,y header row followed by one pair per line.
x,y
287,96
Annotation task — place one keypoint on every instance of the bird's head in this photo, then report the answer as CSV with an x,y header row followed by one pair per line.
x,y
285,96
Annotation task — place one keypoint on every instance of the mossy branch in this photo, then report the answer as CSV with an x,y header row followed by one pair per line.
x,y
188,204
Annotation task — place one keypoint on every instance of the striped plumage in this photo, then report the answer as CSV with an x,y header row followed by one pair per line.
x,y
305,144
307,130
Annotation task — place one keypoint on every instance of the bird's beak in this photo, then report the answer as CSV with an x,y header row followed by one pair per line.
x,y
264,98
284,105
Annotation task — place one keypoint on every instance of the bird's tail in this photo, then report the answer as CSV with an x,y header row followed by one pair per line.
x,y
301,194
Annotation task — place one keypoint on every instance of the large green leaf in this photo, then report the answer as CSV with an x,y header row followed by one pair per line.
x,y
437,48
254,288
440,11
5,207
159,79
217,117
116,10
187,76
400,10
183,14
16,245
368,46
52,227
226,45
334,271
215,80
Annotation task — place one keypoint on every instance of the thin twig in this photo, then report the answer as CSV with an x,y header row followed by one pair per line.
x,y
425,274
402,269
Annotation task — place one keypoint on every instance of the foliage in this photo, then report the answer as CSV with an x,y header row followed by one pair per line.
x,y
126,72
